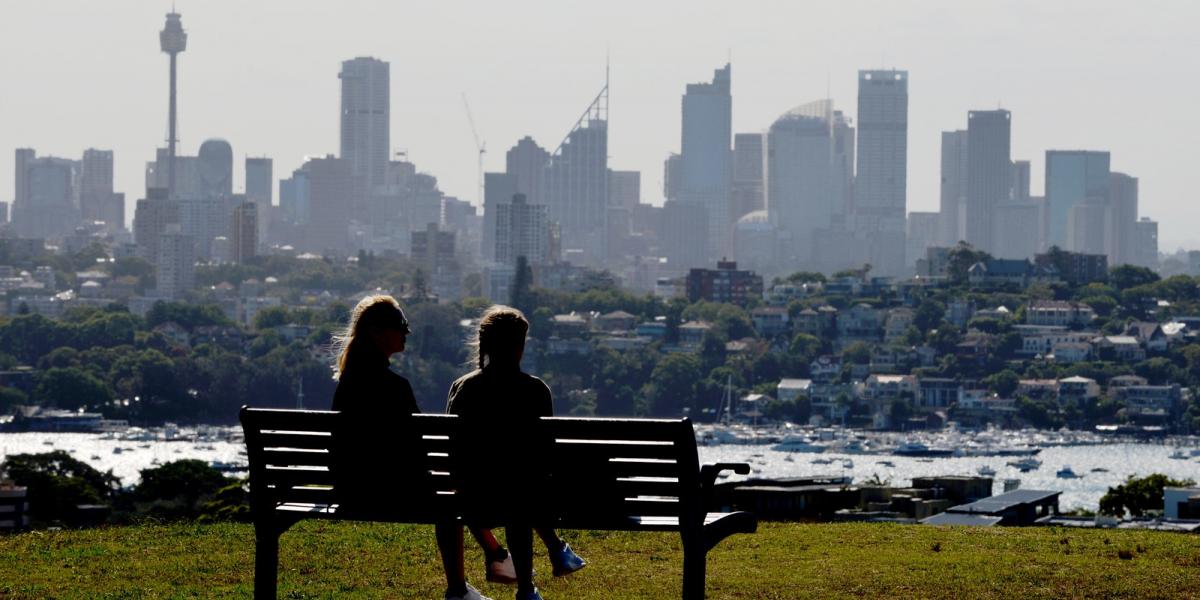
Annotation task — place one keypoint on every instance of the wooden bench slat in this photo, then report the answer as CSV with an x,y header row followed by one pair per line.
x,y
613,429
321,458
296,476
290,439
575,450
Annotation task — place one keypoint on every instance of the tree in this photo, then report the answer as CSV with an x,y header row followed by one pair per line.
x,y
1003,383
962,257
11,397
271,317
522,282
1139,496
928,314
71,388
1124,277
177,489
804,347
58,483
674,384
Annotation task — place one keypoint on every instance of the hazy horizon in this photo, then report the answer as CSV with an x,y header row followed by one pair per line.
x,y
1076,75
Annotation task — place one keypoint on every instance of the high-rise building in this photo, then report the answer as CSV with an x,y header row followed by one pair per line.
x,y
672,176
1122,218
1074,177
749,165
810,168
498,188
97,202
47,196
880,184
725,284
705,157
989,173
924,231
435,252
365,123
1021,173
176,265
259,190
243,240
575,187
150,219
330,183
1016,229
1086,227
526,163
1145,239
625,189
522,230
953,185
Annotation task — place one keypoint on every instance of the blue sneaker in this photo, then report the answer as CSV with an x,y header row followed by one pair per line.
x,y
565,561
530,595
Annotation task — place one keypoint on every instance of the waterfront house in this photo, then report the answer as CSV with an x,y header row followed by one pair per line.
x,y
770,321
788,390
1059,313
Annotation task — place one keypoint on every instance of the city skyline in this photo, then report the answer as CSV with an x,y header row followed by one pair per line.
x,y
511,102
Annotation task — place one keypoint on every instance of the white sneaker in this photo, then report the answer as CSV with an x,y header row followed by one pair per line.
x,y
472,594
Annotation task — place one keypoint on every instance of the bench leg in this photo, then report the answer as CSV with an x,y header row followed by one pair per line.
x,y
694,558
266,560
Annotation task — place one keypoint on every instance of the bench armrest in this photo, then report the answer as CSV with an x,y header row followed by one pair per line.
x,y
708,475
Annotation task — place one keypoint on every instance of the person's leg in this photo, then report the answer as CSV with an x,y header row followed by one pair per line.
x,y
487,540
562,557
450,546
497,563
520,547
550,539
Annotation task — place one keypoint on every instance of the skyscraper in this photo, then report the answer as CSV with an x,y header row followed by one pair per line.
x,y
749,186
243,241
173,40
365,119
175,271
329,182
259,190
1073,177
810,168
575,188
1020,180
880,199
1122,219
706,160
46,202
989,173
96,201
953,185
522,230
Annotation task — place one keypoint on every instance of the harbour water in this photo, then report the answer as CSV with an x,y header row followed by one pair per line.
x,y
1099,465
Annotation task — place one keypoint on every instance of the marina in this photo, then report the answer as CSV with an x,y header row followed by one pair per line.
x,y
1095,462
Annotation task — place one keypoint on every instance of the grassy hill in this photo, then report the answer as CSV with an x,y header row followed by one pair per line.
x,y
364,560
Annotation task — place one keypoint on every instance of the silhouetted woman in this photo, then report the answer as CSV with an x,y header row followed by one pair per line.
x,y
375,456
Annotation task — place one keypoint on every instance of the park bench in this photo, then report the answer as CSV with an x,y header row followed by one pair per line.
x,y
606,474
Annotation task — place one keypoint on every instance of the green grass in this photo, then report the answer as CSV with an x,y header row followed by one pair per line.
x,y
367,560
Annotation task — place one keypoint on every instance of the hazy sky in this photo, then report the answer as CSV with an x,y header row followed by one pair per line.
x,y
1101,75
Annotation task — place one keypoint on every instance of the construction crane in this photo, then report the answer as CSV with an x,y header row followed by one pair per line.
x,y
480,146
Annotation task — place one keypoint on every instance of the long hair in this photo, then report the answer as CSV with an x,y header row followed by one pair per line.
x,y
373,313
501,332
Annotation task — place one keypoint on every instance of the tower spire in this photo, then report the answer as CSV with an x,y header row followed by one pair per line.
x,y
173,40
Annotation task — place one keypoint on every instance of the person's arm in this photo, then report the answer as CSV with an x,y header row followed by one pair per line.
x,y
408,400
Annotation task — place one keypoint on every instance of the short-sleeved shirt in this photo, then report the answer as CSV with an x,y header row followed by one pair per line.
x,y
374,466
503,454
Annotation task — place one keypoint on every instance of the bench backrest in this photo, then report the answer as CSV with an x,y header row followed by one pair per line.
x,y
602,471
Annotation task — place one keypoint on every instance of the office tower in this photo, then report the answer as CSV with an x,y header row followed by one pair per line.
x,y
330,182
259,188
1122,218
1086,227
498,188
526,163
749,186
1145,239
1072,177
678,239
953,185
46,201
216,168
1016,229
365,122
1020,180
150,218
924,231
989,173
173,40
810,168
259,181
705,157
293,198
204,212
187,174
522,230
176,265
436,253
625,189
754,242
575,189
3,213
96,202
243,240
880,184
672,176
